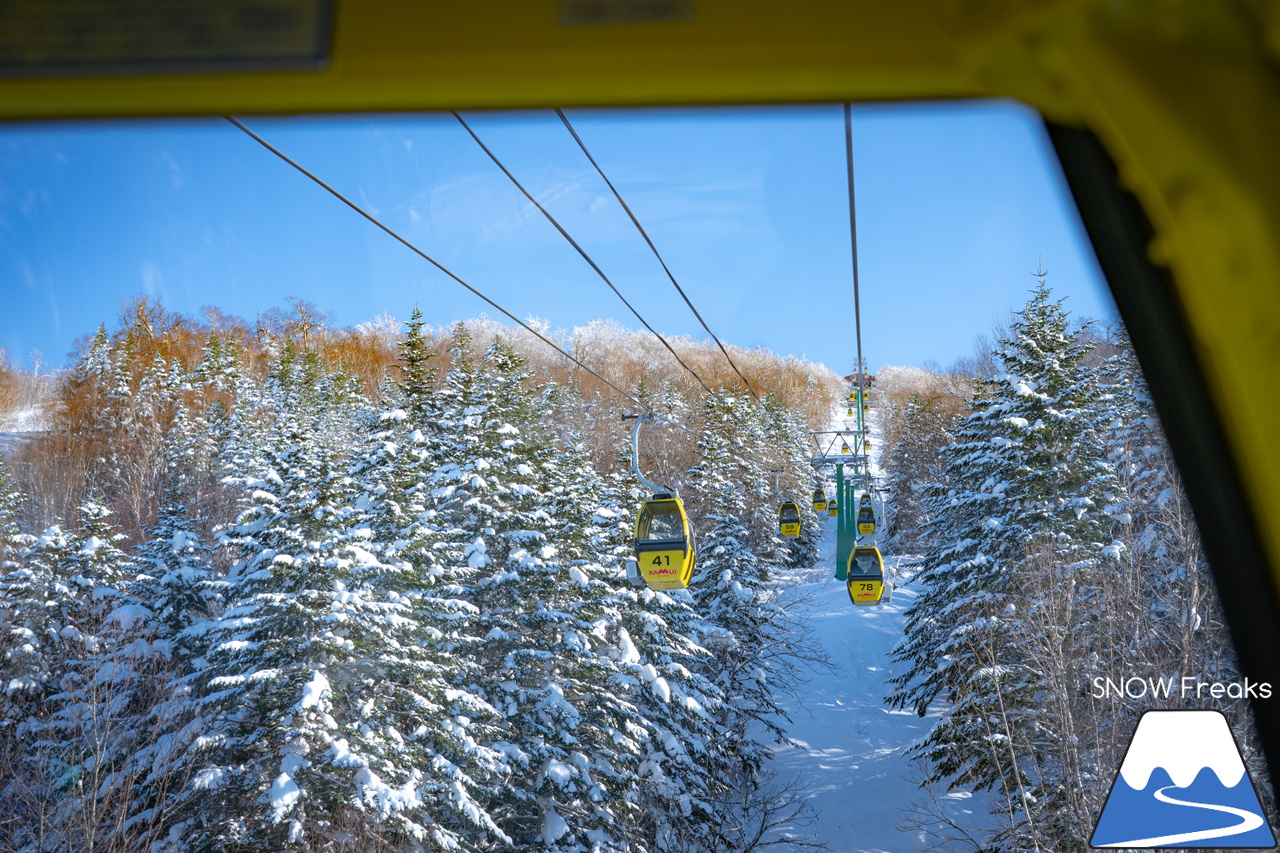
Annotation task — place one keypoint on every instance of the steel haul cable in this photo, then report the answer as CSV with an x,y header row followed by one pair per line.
x,y
580,251
656,254
860,370
853,235
441,267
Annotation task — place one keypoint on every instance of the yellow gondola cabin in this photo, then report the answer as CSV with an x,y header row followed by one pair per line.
x,y
664,543
819,501
833,508
866,520
789,519
865,580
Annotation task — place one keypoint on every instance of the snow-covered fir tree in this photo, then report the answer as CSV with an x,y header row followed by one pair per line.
x,y
564,732
914,464
414,631
324,718
746,626
1020,537
658,650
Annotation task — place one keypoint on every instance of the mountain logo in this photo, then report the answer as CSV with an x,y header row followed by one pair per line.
x,y
1182,783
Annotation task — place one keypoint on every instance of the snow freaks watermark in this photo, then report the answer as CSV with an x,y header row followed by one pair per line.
x,y
1183,783
1186,687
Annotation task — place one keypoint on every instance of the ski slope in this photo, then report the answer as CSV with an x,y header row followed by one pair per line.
x,y
849,749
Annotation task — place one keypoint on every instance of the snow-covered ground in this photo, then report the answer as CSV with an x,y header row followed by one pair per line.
x,y
850,748
17,427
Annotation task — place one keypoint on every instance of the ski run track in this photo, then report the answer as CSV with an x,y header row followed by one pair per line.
x,y
848,750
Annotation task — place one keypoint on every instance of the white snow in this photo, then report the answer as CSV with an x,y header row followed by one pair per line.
x,y
129,615
558,772
284,790
630,654
388,799
92,544
314,691
209,778
850,748
553,827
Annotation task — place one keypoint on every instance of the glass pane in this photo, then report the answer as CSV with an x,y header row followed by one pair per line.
x,y
232,404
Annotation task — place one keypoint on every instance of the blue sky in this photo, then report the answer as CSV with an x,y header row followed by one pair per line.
x,y
957,203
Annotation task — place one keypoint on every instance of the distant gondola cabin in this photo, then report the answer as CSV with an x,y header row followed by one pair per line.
x,y
833,508
819,501
865,580
664,543
866,520
789,519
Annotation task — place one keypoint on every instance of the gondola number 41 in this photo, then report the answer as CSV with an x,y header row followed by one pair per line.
x,y
657,561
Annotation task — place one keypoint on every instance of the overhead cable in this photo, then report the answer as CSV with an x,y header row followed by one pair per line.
x,y
861,369
656,254
853,236
580,251
441,267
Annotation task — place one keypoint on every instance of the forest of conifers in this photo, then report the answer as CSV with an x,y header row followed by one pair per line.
x,y
278,585
283,586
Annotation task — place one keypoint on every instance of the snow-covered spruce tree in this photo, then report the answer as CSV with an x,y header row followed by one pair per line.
x,y
15,583
38,603
201,427
403,448
82,731
1160,611
12,541
1010,584
788,435
657,647
915,463
219,366
564,730
172,592
137,465
324,719
747,638
175,585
